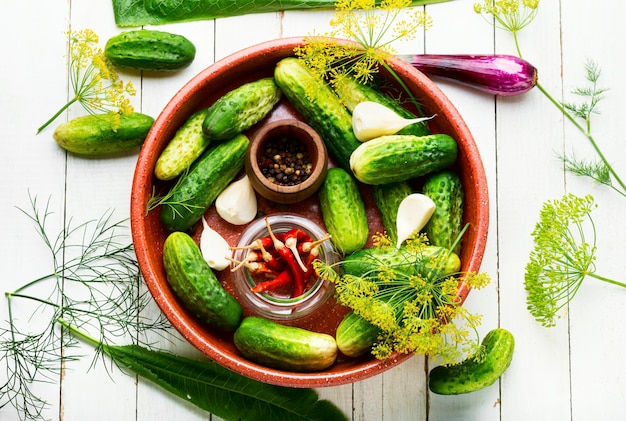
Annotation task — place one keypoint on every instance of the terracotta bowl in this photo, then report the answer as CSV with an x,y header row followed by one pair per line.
x,y
310,141
148,234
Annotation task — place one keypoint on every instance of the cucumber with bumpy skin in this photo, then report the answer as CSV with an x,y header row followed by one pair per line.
x,y
196,190
343,211
144,49
446,223
102,134
195,284
284,347
313,98
471,374
393,158
355,335
388,198
183,149
240,109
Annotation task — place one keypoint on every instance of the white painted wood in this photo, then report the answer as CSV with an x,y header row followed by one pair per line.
x,y
571,371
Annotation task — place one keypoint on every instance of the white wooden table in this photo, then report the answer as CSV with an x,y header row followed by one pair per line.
x,y
574,371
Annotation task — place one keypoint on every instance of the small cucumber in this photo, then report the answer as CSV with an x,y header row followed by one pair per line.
x,y
196,190
387,198
313,98
284,347
355,335
370,260
343,211
196,286
446,223
351,92
144,49
240,109
102,134
183,149
472,375
393,158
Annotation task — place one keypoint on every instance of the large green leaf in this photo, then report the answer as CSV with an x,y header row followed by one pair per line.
x,y
216,389
134,13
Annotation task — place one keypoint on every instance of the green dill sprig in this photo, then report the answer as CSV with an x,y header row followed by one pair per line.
x,y
515,15
94,81
94,284
563,256
374,28
413,300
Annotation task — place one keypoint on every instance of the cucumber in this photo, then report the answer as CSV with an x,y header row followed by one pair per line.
x,y
471,375
343,211
351,92
102,134
369,260
284,347
144,49
393,158
446,223
240,109
313,98
183,149
196,190
355,335
196,286
387,198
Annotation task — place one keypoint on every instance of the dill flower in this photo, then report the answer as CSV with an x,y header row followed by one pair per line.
x,y
373,27
563,256
413,300
94,81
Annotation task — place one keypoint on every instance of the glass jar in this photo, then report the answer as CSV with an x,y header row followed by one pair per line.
x,y
279,305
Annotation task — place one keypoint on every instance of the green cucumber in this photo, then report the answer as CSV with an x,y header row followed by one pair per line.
x,y
183,149
471,374
196,190
144,49
290,348
313,98
240,109
393,158
446,223
387,198
102,134
196,286
370,260
355,335
343,211
351,92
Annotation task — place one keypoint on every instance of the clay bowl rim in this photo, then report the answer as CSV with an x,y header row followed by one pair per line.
x,y
264,135
144,240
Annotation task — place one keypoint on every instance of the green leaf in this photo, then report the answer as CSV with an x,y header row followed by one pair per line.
x,y
216,389
134,13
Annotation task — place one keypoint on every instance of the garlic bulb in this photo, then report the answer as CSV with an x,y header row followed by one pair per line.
x,y
214,248
371,119
414,212
237,204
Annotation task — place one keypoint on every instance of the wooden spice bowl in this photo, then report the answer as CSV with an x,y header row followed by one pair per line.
x,y
311,142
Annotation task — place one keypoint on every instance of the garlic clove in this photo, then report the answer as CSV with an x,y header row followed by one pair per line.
x,y
414,212
237,203
371,120
214,248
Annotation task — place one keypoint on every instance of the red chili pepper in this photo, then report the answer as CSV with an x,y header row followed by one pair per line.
x,y
256,268
287,254
283,279
291,240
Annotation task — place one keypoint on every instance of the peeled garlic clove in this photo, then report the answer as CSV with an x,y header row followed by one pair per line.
x,y
214,248
414,212
237,204
371,120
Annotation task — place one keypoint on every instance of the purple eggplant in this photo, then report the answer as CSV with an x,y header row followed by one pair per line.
x,y
497,74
